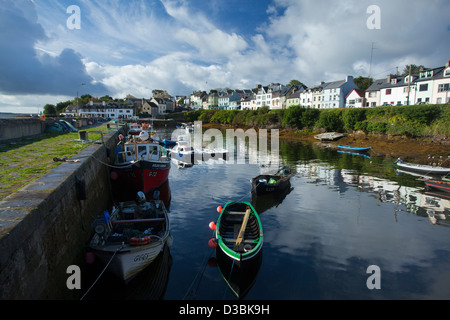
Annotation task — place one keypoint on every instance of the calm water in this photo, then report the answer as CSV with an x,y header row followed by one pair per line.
x,y
343,214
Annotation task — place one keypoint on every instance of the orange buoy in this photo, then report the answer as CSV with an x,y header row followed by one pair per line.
x,y
212,225
219,209
140,241
212,243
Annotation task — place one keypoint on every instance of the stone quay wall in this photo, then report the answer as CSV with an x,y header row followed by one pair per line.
x,y
45,226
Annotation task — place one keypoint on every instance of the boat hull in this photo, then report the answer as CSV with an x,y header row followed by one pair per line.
x,y
128,262
355,149
422,168
261,184
438,185
239,279
146,176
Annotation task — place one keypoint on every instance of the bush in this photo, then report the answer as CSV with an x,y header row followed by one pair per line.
x,y
331,120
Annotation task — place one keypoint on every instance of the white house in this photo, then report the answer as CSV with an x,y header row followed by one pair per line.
x,y
107,110
433,85
373,94
334,93
442,86
355,99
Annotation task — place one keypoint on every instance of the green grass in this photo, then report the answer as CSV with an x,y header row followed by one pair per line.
x,y
24,161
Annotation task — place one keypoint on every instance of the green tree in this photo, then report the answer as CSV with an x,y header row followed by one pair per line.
x,y
61,106
49,109
363,82
414,69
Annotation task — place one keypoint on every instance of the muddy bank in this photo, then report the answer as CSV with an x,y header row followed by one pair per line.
x,y
424,150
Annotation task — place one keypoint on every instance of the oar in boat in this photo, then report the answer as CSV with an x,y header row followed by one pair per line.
x,y
243,226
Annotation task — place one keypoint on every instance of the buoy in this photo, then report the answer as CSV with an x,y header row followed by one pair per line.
x,y
212,225
212,243
219,209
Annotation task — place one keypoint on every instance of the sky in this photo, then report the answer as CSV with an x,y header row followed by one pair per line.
x,y
49,48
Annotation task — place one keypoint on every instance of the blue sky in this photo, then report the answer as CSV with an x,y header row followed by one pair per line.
x,y
135,46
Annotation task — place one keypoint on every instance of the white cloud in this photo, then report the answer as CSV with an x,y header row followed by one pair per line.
x,y
134,47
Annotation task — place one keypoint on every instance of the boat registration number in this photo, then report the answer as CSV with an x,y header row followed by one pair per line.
x,y
142,257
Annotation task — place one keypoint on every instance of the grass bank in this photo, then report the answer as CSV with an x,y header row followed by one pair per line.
x,y
23,161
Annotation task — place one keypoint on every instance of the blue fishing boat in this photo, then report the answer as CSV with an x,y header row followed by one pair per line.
x,y
355,149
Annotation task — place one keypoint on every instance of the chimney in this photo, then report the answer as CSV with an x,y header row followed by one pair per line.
x,y
389,78
447,64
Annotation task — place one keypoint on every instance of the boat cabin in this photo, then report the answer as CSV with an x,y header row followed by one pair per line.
x,y
141,151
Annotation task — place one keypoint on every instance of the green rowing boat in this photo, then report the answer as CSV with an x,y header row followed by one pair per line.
x,y
239,232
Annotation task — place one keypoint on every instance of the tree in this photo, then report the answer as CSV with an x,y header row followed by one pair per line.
x,y
61,106
49,109
363,82
295,83
414,69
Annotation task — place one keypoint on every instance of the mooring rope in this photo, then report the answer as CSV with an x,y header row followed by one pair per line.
x,y
229,277
101,273
201,272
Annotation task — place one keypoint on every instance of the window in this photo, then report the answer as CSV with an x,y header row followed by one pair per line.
x,y
447,72
388,91
444,87
373,94
423,87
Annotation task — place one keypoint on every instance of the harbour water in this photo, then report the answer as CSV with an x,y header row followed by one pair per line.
x,y
343,215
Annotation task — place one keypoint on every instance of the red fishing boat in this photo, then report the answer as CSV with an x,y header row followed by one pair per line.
x,y
141,164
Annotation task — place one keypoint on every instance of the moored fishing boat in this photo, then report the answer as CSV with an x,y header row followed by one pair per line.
x,y
239,232
141,164
425,169
129,239
442,184
268,183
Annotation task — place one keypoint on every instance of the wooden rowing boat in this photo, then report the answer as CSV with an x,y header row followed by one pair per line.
x,y
422,168
268,183
239,232
129,239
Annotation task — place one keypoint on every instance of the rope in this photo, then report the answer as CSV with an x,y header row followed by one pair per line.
x,y
229,277
191,291
101,273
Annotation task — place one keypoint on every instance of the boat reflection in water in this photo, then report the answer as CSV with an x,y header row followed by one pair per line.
x,y
433,205
267,201
239,279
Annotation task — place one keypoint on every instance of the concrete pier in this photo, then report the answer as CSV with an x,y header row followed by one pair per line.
x,y
45,226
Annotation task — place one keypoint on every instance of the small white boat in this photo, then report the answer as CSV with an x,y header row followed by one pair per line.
x,y
132,237
421,168
183,152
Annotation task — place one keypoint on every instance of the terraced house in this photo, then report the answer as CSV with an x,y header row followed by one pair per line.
x,y
429,86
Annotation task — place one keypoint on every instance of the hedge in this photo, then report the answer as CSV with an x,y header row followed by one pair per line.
x,y
415,120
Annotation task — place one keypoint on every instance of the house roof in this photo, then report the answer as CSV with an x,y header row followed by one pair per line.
x,y
359,92
334,84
